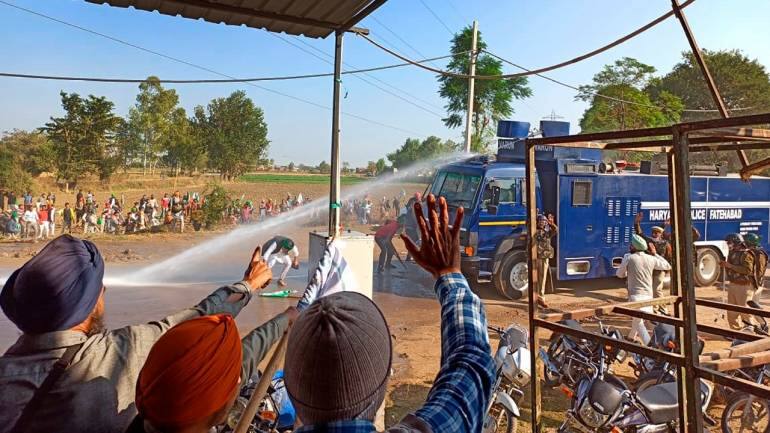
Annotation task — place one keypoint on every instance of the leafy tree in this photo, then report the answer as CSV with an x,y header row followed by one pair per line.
x,y
33,150
625,102
324,167
380,165
743,83
13,158
82,140
345,167
234,132
152,119
371,167
492,98
291,166
215,204
184,149
414,150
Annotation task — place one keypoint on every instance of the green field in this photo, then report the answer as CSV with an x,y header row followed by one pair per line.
x,y
298,178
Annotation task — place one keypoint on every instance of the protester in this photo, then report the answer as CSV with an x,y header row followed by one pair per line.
x,y
68,218
383,237
281,249
637,266
752,241
43,222
30,223
740,268
663,247
339,352
546,230
66,373
194,372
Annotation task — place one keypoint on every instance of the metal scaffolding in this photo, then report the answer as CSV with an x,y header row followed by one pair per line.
x,y
678,141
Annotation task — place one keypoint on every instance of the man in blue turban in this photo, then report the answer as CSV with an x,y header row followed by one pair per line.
x,y
66,373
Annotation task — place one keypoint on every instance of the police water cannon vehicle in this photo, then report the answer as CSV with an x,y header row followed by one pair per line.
x,y
595,204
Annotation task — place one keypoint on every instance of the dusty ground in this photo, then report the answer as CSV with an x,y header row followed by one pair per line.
x,y
404,294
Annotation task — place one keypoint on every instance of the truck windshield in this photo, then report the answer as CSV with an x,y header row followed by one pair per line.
x,y
459,189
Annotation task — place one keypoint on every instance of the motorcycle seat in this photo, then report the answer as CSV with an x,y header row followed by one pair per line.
x,y
661,402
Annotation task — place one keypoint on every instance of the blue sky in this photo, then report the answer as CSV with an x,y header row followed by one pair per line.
x,y
530,33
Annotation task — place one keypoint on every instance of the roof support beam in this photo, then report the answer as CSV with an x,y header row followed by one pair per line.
x,y
348,25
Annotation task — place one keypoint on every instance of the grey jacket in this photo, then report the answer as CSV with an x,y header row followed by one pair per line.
x,y
96,393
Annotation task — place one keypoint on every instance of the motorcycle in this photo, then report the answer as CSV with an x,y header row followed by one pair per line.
x,y
745,412
604,403
275,412
568,359
760,328
512,373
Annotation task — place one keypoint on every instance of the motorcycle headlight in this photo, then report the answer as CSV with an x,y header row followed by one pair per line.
x,y
590,416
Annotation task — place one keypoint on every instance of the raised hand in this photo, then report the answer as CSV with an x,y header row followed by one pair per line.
x,y
439,252
257,274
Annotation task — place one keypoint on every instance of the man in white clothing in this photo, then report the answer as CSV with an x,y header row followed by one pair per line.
x,y
30,223
281,249
638,266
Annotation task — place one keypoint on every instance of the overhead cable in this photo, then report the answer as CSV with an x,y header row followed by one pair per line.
x,y
231,78
438,18
597,94
577,59
209,80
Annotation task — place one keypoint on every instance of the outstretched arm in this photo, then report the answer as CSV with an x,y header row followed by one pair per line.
x,y
462,389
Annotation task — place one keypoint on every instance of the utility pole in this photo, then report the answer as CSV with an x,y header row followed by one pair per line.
x,y
471,87
334,193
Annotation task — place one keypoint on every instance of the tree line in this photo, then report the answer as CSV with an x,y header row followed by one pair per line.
x,y
229,136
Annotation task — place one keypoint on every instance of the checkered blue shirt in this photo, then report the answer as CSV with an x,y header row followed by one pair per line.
x,y
462,389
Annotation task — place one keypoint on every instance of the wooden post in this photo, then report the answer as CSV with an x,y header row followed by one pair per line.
x,y
533,279
679,204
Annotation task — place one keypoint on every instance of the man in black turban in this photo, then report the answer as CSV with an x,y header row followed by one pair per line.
x,y
66,373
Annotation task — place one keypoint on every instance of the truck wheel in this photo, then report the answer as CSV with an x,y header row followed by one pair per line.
x,y
512,279
707,267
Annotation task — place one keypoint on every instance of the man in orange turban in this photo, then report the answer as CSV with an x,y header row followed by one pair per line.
x,y
193,373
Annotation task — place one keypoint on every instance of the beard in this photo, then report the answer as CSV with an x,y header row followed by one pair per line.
x,y
97,325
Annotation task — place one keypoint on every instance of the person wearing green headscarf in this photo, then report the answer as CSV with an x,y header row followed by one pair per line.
x,y
637,267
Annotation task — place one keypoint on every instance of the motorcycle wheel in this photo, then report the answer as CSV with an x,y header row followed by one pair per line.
x,y
745,413
549,378
501,420
650,378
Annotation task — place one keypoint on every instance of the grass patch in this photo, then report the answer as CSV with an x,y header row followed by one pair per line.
x,y
315,179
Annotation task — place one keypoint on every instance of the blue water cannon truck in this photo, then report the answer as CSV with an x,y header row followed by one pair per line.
x,y
594,202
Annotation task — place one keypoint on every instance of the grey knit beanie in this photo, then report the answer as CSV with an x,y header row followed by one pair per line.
x,y
338,359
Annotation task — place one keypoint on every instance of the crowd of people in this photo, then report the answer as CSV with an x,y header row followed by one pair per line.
x,y
183,372
28,218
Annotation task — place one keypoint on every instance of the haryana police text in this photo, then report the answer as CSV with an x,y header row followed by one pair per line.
x,y
700,214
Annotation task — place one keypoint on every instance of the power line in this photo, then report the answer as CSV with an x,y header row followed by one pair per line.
x,y
211,80
577,59
286,95
427,110
403,41
597,94
437,17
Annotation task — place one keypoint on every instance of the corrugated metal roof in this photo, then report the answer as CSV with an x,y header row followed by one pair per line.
x,y
311,18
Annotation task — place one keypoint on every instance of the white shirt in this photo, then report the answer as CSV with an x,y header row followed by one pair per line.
x,y
30,216
638,268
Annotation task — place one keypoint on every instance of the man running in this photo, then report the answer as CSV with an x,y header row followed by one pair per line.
x,y
281,249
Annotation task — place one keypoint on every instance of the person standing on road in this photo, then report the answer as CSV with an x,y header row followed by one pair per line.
x,y
546,230
281,249
638,266
760,264
383,237
739,268
340,350
30,223
68,218
663,247
67,373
